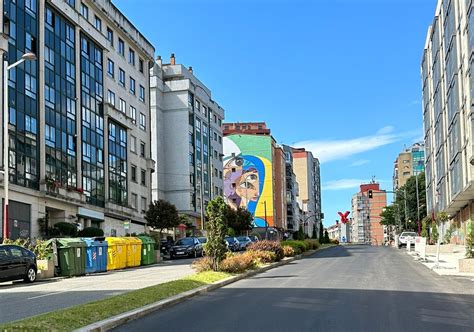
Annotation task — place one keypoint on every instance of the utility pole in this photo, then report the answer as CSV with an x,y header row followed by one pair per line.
x,y
266,222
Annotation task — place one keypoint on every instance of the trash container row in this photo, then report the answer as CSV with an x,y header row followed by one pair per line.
x,y
79,256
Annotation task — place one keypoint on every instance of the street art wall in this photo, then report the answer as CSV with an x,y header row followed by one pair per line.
x,y
248,174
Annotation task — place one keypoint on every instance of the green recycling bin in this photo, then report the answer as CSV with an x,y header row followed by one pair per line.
x,y
71,257
148,250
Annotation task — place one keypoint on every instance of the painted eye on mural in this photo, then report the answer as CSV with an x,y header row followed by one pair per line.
x,y
239,161
247,185
252,177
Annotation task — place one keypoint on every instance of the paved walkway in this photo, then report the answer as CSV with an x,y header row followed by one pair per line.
x,y
20,300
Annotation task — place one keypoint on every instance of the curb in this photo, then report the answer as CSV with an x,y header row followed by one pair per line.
x,y
113,322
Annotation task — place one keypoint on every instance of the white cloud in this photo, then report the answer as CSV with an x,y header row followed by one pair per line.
x,y
330,150
348,183
360,162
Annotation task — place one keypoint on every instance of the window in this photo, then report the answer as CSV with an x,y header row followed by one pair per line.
x,y
131,57
142,93
142,121
144,206
30,85
134,173
122,106
111,98
122,77
98,23
140,65
110,68
133,114
133,144
84,11
142,149
143,177
132,85
121,47
134,201
110,36
72,3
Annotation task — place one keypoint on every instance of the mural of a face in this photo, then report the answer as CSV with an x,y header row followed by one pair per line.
x,y
243,182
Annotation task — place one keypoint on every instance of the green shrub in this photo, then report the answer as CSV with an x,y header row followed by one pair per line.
x,y
259,256
202,264
237,264
288,251
91,232
272,246
312,244
66,229
298,246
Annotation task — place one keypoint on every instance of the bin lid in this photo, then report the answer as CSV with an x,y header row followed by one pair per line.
x,y
115,241
132,240
70,242
94,242
146,239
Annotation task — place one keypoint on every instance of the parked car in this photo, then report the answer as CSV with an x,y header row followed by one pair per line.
x,y
244,241
17,263
188,246
232,243
404,237
254,238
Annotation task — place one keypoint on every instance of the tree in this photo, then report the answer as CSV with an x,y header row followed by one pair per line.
x,y
434,233
406,202
238,221
184,219
216,231
300,234
470,240
388,216
326,237
321,231
162,215
424,226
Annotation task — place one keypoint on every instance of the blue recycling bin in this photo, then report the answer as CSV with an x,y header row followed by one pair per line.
x,y
96,255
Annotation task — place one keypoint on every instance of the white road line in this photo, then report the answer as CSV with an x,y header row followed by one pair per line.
x,y
44,295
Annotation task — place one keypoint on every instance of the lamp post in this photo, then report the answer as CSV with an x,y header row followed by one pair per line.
x,y
6,68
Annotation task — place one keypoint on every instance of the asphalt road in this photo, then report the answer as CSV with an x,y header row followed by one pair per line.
x,y
19,300
353,288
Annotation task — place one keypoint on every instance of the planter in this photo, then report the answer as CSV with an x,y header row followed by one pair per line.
x,y
45,268
443,249
466,265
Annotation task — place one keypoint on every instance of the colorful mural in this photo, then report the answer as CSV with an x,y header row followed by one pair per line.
x,y
248,176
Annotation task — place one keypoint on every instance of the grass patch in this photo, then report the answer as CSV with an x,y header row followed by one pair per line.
x,y
85,314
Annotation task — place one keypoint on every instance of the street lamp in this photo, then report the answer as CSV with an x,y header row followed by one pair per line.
x,y
25,57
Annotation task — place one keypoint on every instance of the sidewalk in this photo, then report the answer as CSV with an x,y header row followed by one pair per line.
x,y
448,262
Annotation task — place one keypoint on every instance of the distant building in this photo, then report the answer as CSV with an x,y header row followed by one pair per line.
x,y
448,96
408,163
186,139
308,176
292,192
366,227
334,232
255,173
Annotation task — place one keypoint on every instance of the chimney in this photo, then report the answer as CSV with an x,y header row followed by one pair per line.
x,y
190,69
172,59
158,60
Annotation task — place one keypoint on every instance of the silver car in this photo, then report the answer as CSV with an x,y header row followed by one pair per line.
x,y
404,237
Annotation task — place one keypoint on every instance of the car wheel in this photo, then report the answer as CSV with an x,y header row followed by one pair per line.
x,y
30,275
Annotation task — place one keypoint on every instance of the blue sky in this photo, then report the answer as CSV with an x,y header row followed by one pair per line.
x,y
340,77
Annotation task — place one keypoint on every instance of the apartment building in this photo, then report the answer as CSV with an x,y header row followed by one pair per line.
x,y
79,120
408,163
448,90
292,192
307,171
187,139
367,205
255,173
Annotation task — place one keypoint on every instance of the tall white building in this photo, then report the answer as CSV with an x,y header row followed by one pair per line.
x,y
79,119
187,139
448,88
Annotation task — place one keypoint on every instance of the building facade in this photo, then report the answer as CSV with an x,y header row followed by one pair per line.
x,y
365,226
187,140
448,91
292,192
255,173
307,171
78,117
408,163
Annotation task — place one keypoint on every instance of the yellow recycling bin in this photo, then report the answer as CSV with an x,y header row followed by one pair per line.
x,y
134,251
116,253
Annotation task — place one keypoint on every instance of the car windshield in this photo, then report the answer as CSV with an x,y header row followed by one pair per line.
x,y
185,242
243,238
203,240
230,239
